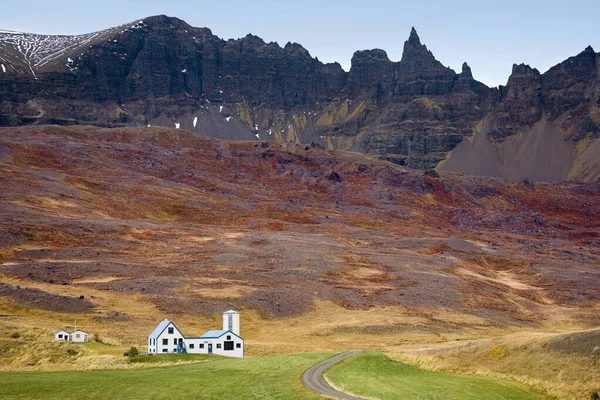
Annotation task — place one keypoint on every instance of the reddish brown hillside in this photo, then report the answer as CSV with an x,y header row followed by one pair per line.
x,y
196,225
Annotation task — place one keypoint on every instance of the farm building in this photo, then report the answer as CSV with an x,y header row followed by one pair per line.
x,y
61,335
77,336
167,338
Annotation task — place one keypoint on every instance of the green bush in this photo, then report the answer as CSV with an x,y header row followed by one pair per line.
x,y
133,351
595,396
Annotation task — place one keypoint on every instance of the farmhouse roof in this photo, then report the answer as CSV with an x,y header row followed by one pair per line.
x,y
160,328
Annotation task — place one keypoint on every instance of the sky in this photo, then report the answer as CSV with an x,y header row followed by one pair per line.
x,y
489,35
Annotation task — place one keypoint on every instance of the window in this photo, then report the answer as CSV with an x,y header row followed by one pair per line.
x,y
228,345
164,350
60,336
191,346
174,350
238,345
218,345
77,335
228,337
170,330
201,345
165,342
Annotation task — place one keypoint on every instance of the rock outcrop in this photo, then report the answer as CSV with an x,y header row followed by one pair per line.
x,y
162,71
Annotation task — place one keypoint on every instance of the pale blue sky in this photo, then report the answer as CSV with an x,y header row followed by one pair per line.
x,y
490,37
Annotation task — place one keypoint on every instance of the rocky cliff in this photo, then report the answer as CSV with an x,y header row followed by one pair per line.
x,y
415,112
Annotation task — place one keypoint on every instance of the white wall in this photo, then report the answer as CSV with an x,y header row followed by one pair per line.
x,y
63,335
79,336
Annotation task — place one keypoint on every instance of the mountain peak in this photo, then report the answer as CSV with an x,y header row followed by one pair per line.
x,y
417,58
414,36
466,71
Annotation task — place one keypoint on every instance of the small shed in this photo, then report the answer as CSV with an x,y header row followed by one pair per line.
x,y
61,335
79,336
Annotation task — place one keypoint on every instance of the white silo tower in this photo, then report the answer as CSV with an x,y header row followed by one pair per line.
x,y
231,321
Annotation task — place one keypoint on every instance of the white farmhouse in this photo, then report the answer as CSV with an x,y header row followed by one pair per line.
x,y
61,335
166,338
79,336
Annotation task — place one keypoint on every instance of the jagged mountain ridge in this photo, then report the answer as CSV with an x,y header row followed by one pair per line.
x,y
415,112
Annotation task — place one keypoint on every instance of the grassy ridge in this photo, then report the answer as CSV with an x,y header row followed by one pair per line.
x,y
276,377
375,375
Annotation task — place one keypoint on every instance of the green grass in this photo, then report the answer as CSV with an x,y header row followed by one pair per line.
x,y
276,377
375,375
163,358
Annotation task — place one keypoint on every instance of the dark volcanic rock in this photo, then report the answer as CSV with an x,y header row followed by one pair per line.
x,y
163,72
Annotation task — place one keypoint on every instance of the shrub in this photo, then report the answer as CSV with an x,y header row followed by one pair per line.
x,y
133,351
15,335
497,352
72,351
595,396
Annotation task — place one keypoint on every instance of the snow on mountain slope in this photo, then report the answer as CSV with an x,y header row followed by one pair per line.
x,y
30,53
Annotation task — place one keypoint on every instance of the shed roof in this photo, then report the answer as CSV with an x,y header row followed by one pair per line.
x,y
213,334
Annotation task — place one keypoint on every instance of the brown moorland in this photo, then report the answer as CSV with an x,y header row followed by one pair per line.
x,y
321,250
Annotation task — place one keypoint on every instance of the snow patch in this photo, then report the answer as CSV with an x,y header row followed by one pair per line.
x,y
3,68
35,51
195,121
184,70
257,136
177,125
220,108
69,60
228,119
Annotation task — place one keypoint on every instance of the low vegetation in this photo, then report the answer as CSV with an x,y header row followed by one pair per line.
x,y
374,375
275,377
562,365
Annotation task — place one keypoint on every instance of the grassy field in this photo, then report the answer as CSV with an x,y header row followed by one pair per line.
x,y
562,365
376,376
275,377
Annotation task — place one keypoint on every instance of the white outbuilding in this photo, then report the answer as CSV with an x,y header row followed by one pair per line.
x,y
79,336
166,338
61,335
